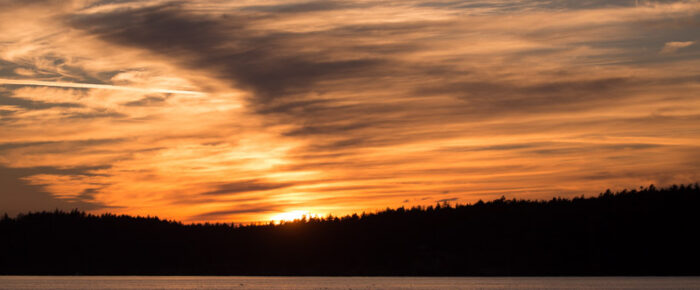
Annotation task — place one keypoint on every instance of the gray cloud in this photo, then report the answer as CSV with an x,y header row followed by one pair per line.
x,y
304,7
18,196
502,97
553,147
28,171
245,186
268,64
500,147
7,68
96,114
7,100
448,199
58,146
577,149
147,101
509,5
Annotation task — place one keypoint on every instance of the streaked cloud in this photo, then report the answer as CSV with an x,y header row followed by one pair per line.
x,y
242,110
92,86
244,186
673,46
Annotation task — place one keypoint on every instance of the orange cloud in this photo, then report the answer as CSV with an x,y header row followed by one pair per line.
x,y
673,46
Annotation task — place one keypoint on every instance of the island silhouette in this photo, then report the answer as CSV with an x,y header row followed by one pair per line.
x,y
646,231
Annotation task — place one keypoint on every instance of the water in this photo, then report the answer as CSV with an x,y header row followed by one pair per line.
x,y
181,282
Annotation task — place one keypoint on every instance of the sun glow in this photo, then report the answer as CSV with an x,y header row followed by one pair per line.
x,y
293,215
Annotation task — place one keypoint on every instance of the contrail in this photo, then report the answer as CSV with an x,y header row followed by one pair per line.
x,y
92,86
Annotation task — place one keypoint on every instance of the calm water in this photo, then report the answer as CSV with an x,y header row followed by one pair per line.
x,y
139,282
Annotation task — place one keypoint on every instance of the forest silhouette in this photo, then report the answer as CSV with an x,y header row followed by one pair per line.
x,y
648,231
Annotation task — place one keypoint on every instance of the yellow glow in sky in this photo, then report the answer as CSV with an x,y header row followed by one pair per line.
x,y
292,216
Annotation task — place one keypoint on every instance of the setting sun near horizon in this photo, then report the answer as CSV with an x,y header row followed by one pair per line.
x,y
293,215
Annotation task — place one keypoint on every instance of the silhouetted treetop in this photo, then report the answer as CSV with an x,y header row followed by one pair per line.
x,y
646,231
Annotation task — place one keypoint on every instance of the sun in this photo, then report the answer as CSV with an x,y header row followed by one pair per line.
x,y
292,215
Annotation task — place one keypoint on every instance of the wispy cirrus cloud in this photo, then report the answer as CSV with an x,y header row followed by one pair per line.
x,y
91,86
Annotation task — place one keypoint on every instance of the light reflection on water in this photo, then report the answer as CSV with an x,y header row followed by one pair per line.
x,y
239,282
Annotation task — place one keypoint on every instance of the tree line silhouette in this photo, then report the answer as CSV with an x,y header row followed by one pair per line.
x,y
648,231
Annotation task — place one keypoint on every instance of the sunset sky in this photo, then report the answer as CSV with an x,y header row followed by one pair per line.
x,y
242,111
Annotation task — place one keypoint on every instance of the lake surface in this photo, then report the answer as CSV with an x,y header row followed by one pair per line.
x,y
238,282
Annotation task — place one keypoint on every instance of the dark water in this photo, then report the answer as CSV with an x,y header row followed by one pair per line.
x,y
177,282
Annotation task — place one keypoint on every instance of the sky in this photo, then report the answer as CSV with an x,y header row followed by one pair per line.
x,y
252,110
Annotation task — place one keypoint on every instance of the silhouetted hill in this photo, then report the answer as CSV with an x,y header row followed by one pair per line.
x,y
644,232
